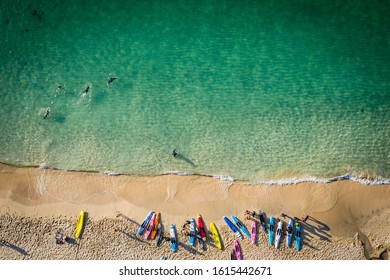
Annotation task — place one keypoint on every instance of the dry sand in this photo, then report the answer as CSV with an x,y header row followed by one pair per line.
x,y
347,220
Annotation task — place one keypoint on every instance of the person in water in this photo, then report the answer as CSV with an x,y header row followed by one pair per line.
x,y
174,153
110,80
46,115
86,89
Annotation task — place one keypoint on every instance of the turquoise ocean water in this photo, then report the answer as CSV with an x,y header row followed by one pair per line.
x,y
257,90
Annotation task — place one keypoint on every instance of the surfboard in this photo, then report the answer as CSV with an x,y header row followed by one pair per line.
x,y
254,232
237,250
149,227
145,223
262,221
80,224
297,236
233,255
199,238
173,238
160,234
271,230
155,225
202,230
192,232
241,226
215,235
289,232
235,230
278,234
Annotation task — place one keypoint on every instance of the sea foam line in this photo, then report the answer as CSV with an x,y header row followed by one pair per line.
x,y
323,181
282,182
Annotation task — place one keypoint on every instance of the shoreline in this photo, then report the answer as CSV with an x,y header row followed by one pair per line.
x,y
343,214
363,177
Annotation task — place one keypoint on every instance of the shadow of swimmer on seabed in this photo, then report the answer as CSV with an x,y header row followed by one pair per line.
x,y
178,155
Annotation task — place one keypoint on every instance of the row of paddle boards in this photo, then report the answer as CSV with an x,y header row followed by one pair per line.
x,y
240,231
151,228
291,225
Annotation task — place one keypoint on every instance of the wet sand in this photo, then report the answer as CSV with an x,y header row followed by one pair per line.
x,y
345,219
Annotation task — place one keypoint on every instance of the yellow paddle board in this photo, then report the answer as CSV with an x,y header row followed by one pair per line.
x,y
215,235
80,224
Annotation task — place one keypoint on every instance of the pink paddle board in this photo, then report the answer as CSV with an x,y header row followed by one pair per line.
x,y
150,226
254,232
237,249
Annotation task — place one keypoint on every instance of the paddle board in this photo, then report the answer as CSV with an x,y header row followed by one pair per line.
x,y
173,238
145,223
271,230
160,234
254,232
202,230
297,236
237,250
241,226
262,221
149,227
192,232
289,232
233,255
215,235
198,237
232,227
278,234
155,225
80,224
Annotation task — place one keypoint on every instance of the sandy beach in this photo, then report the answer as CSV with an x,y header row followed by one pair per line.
x,y
346,220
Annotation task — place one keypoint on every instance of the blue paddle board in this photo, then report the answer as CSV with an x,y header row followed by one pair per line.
x,y
271,230
297,236
173,238
192,232
241,226
232,227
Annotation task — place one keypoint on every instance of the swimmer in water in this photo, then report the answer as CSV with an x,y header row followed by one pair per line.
x,y
174,153
110,80
46,115
86,89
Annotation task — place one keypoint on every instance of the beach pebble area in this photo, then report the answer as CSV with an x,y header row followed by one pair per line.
x,y
115,238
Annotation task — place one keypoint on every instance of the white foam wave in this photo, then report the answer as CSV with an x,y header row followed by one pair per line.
x,y
323,181
180,173
110,173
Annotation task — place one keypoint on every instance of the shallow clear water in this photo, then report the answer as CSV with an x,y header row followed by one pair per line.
x,y
254,90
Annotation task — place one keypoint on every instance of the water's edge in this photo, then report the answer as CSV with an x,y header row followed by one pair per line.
x,y
280,182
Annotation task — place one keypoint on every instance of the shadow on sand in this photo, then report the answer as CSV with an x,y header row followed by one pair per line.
x,y
133,236
316,228
128,219
13,247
